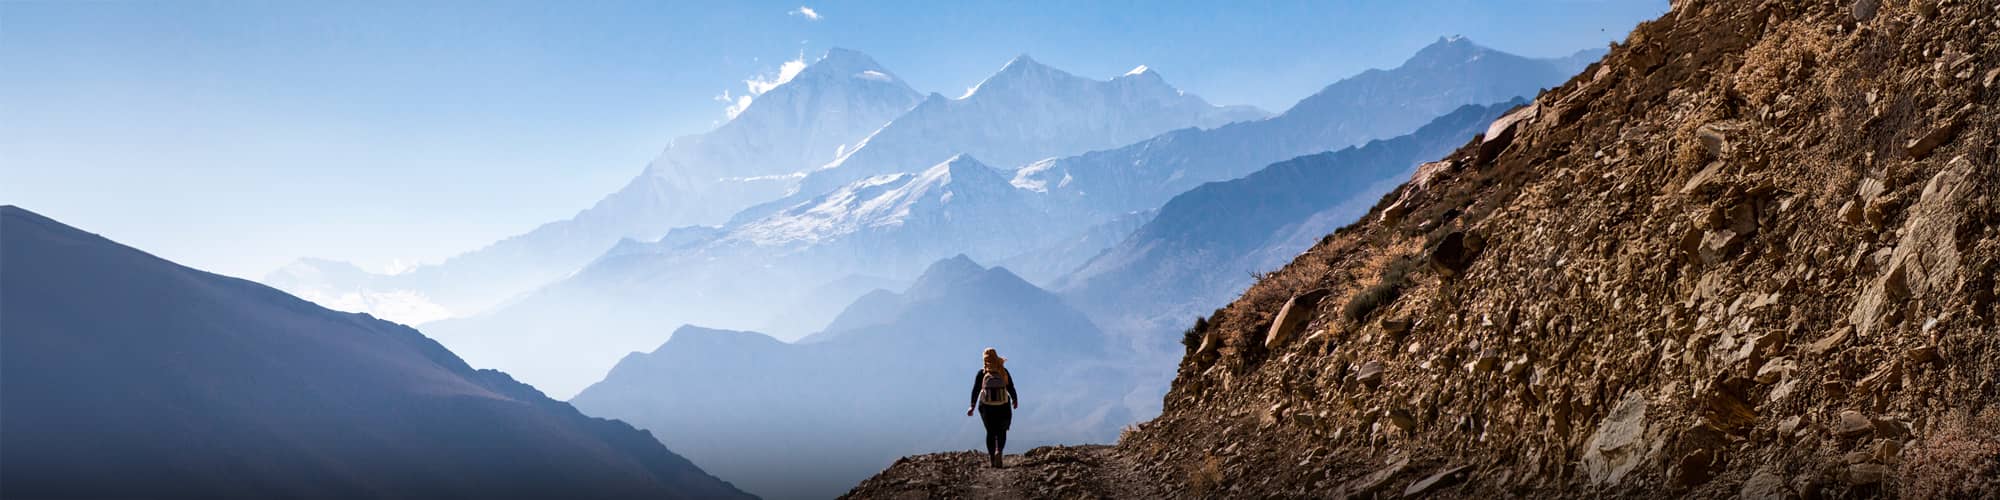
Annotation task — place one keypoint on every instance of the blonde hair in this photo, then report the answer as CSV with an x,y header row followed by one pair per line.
x,y
991,361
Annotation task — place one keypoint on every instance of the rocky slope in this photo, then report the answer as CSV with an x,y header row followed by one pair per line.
x,y
1749,253
127,376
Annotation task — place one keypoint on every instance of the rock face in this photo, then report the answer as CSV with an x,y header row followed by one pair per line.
x,y
1684,309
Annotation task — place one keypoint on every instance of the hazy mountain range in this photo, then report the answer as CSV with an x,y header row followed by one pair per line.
x,y
777,260
827,108
802,420
1209,243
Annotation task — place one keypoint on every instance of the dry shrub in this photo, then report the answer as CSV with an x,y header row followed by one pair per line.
x,y
1961,459
1790,54
1386,289
1205,477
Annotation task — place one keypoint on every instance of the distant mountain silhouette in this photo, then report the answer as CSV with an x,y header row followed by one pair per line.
x,y
1375,104
123,375
1207,244
891,377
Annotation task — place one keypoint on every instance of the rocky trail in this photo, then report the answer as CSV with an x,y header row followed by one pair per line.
x,y
1066,472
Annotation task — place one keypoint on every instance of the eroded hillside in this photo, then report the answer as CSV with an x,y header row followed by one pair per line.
x,y
1751,252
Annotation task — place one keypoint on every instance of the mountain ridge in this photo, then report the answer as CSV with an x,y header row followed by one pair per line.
x,y
206,386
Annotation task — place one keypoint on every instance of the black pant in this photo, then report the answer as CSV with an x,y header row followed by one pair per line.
x,y
996,418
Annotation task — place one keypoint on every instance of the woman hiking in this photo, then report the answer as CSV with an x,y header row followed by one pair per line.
x,y
993,395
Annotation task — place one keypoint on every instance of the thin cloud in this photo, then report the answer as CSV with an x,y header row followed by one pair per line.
x,y
808,12
758,85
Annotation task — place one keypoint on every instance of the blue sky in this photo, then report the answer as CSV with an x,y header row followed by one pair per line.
x,y
236,136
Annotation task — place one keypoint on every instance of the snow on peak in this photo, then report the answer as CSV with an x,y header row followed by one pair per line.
x,y
1021,68
1142,69
879,201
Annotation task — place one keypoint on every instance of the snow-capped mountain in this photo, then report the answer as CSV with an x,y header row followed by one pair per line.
x,y
1025,112
809,420
823,111
128,376
1375,104
886,226
774,261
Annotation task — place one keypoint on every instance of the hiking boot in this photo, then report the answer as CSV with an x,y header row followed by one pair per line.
x,y
996,460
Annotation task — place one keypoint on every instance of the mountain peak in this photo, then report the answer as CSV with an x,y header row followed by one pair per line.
x,y
848,63
941,275
1020,69
961,161
962,170
1447,50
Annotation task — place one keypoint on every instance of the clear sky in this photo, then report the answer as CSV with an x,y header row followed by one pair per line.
x,y
235,136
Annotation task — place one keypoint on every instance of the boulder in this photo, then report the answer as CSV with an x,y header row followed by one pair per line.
x,y
1851,424
1719,245
1715,136
1395,327
1866,474
1442,479
1418,185
1939,134
1925,260
1864,10
1374,480
1694,468
1456,252
1921,354
1618,446
1293,317
1370,374
1402,419
1502,132
1728,405
1765,485
1774,370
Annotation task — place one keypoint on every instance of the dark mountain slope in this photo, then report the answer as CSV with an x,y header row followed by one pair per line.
x,y
129,376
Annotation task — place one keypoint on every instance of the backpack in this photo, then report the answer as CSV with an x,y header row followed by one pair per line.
x,y
993,389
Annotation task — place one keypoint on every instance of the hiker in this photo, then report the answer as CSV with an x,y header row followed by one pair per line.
x,y
993,394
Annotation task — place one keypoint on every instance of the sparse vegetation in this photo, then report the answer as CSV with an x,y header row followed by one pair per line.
x,y
1961,459
1386,289
1205,477
1192,337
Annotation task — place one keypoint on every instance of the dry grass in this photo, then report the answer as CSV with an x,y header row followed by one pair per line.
x,y
1205,477
1387,288
1961,459
1791,54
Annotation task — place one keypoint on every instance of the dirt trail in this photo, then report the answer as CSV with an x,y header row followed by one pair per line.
x,y
1093,471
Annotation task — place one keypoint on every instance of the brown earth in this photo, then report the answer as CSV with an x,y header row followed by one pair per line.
x,y
1097,472
1750,253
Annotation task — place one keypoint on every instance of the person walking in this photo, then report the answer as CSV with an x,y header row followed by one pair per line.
x,y
994,397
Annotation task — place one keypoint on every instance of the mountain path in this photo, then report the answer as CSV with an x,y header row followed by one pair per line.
x,y
1090,471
